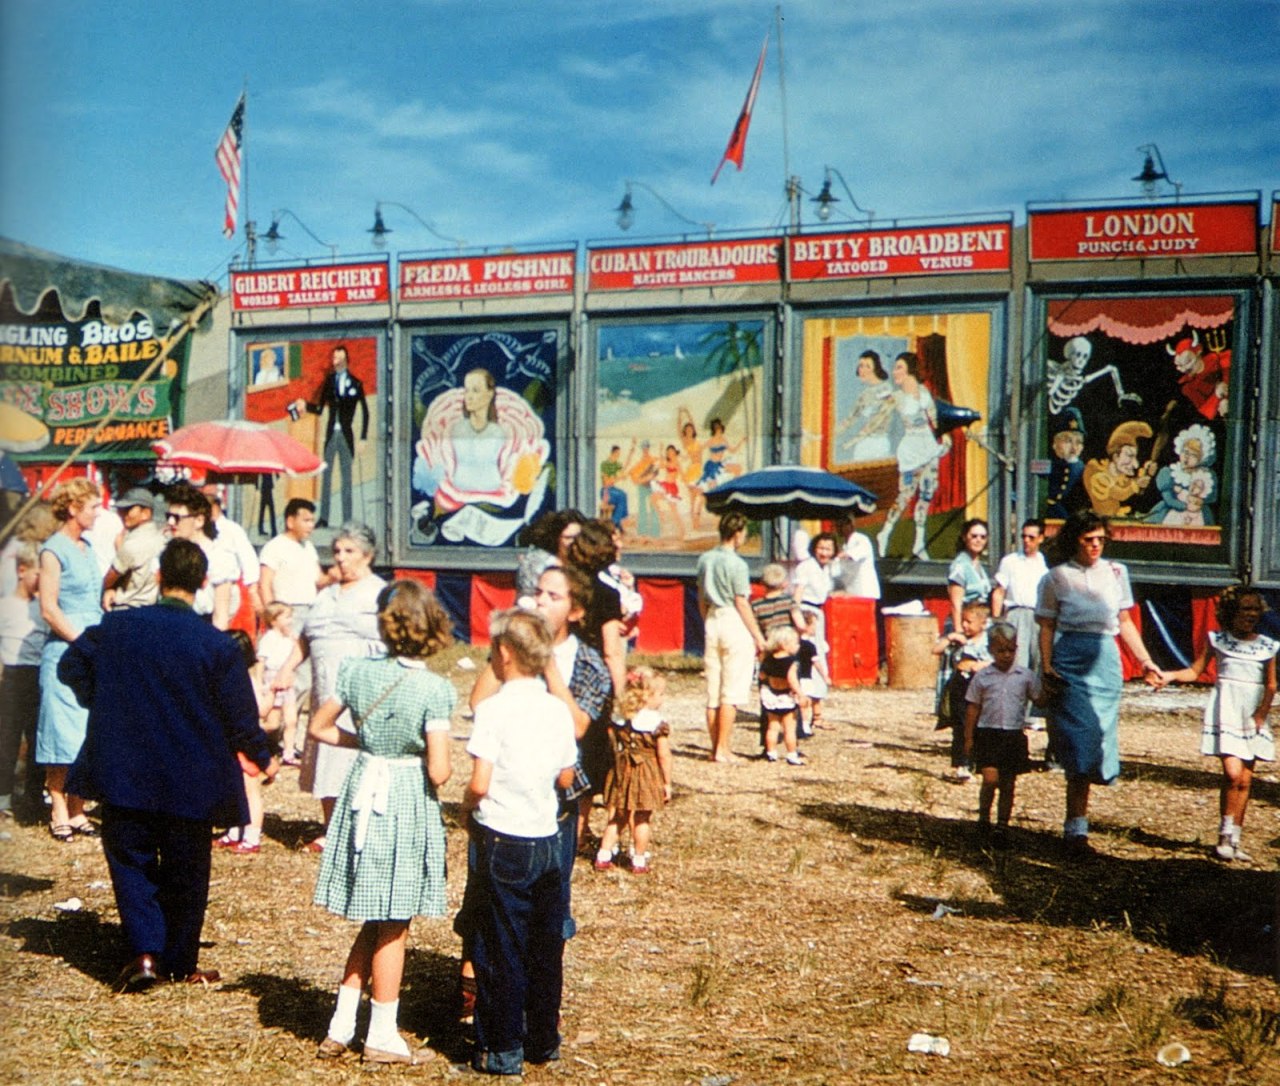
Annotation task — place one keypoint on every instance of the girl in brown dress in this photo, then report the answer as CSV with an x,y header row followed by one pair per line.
x,y
640,781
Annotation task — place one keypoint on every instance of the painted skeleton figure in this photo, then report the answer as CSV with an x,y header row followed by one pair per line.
x,y
1068,377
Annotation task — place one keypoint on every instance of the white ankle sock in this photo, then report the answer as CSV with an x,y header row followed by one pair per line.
x,y
1226,826
342,1026
251,835
1076,827
383,1032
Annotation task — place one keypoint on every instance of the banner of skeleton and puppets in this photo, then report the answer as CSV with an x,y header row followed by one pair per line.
x,y
1134,403
483,434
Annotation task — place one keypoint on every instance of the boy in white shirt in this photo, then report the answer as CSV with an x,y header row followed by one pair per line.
x,y
524,748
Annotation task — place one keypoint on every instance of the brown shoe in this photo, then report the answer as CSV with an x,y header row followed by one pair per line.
x,y
414,1056
203,976
329,1049
139,975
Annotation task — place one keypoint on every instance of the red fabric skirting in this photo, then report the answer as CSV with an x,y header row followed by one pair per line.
x,y
661,627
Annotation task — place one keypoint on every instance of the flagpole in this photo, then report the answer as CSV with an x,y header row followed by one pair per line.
x,y
250,234
791,185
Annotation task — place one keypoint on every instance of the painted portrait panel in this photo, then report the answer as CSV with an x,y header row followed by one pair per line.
x,y
324,393
1134,401
678,413
894,402
483,434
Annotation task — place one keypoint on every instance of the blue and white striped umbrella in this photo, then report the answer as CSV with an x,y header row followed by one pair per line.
x,y
789,491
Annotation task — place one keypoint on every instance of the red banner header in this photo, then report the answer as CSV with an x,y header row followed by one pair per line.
x,y
508,275
691,264
928,250
314,285
1137,233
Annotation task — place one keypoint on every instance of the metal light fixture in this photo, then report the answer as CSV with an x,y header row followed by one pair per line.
x,y
1153,171
626,212
380,229
824,200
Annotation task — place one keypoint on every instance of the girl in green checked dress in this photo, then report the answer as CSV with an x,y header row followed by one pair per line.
x,y
384,860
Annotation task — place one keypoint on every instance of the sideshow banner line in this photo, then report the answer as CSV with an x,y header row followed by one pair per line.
x,y
188,325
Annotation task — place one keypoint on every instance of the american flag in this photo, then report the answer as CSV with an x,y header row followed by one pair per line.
x,y
228,159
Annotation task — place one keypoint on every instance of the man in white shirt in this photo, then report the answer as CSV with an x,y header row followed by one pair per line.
x,y
290,567
1017,590
290,573
856,561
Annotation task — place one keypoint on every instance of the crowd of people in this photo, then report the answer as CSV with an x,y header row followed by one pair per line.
x,y
560,719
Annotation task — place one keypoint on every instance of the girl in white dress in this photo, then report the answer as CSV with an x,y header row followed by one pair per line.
x,y
1235,720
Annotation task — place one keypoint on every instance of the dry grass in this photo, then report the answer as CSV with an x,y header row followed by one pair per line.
x,y
784,936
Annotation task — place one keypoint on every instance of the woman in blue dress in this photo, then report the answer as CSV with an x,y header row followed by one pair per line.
x,y
1084,606
70,602
384,860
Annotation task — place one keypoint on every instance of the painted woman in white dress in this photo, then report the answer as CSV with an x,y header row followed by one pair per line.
x,y
918,453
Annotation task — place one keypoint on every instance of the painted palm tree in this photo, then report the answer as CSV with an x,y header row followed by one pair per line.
x,y
735,351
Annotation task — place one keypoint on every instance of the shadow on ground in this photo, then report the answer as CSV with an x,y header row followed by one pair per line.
x,y
82,939
1184,902
428,1002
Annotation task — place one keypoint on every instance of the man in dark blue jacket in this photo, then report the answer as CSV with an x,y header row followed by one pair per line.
x,y
170,704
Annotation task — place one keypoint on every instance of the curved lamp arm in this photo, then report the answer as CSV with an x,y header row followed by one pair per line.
x,y
273,237
626,210
380,230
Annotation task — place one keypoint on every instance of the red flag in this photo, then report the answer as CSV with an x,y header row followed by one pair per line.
x,y
228,159
738,140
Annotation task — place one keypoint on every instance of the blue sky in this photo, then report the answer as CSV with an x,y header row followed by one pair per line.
x,y
517,122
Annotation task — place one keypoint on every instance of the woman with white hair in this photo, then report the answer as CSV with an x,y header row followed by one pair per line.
x,y
1187,486
342,623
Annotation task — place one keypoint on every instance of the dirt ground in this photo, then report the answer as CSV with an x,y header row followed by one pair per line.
x,y
799,926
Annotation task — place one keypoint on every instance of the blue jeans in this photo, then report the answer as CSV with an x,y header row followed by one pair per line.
x,y
518,948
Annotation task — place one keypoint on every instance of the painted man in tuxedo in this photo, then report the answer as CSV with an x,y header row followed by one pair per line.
x,y
342,392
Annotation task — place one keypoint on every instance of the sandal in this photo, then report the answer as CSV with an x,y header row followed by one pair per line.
x,y
85,828
60,831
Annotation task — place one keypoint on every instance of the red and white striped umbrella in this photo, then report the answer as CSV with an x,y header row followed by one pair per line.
x,y
237,447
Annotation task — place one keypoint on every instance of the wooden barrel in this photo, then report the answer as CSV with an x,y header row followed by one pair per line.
x,y
909,650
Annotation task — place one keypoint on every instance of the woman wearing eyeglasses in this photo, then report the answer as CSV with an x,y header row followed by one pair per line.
x,y
967,582
1083,607
190,516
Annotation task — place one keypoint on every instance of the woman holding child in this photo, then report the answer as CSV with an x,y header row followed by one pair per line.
x,y
1084,605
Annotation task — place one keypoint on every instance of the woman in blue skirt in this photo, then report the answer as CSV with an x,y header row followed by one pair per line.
x,y
1084,605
